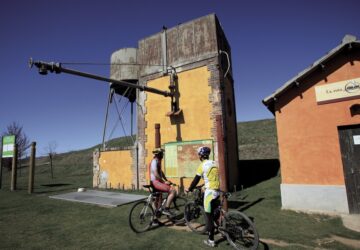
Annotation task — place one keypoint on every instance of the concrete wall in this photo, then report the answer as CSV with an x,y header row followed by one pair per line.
x,y
307,132
115,169
194,123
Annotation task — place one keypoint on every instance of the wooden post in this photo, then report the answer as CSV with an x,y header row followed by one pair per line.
x,y
32,168
1,167
13,169
221,157
51,165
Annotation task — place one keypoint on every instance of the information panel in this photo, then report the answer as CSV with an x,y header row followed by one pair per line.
x,y
8,146
181,159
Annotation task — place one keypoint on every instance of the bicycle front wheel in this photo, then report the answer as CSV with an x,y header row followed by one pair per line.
x,y
195,217
240,231
141,216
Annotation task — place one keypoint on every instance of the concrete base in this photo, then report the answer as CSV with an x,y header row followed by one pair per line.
x,y
314,198
102,198
351,221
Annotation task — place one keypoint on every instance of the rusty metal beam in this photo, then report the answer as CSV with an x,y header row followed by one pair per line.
x,y
45,67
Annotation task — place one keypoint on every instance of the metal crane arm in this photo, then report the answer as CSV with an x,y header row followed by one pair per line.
x,y
52,67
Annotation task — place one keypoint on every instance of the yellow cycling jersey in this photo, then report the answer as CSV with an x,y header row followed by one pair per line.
x,y
210,173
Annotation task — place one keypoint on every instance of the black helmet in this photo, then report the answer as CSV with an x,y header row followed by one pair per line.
x,y
204,152
158,151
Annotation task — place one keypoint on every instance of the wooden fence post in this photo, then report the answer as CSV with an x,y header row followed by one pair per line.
x,y
14,169
1,149
32,168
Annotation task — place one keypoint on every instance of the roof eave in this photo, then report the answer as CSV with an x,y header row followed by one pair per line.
x,y
347,41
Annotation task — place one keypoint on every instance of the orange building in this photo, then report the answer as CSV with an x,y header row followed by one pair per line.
x,y
318,125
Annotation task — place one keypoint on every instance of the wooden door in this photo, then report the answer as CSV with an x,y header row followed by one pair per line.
x,y
350,151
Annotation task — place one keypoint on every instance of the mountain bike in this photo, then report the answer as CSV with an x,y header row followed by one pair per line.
x,y
144,214
238,229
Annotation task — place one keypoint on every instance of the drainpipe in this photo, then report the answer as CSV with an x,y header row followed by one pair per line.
x,y
157,136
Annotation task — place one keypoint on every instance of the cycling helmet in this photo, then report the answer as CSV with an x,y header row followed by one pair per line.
x,y
157,151
204,151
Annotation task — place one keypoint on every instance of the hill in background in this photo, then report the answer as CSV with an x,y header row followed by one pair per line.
x,y
257,140
257,159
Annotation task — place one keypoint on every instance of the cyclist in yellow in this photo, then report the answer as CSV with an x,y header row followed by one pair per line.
x,y
209,171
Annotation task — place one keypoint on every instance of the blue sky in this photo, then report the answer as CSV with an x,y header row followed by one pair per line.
x,y
271,42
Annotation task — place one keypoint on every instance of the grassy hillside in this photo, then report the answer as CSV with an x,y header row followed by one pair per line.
x,y
257,140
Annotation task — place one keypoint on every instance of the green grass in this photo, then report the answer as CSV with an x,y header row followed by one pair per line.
x,y
38,222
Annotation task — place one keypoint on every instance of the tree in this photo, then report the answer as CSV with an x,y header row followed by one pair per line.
x,y
51,152
21,140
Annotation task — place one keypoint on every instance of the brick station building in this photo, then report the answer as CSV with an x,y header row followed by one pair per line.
x,y
318,125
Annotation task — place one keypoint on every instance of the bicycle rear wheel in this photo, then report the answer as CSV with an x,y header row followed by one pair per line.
x,y
240,231
141,216
177,208
195,217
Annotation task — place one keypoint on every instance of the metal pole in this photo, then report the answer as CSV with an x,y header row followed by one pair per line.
x,y
32,168
157,136
14,168
132,118
57,68
1,167
137,165
221,157
106,116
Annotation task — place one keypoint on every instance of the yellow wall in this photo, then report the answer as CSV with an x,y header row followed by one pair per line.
x,y
117,164
194,102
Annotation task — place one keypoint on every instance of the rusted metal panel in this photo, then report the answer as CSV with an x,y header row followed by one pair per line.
x,y
149,55
205,35
172,43
186,43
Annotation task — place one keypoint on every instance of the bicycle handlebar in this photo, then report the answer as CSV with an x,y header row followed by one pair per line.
x,y
225,194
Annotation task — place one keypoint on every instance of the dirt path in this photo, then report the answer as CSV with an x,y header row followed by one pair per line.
x,y
353,244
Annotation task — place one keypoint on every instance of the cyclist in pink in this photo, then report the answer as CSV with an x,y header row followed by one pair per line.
x,y
159,180
209,171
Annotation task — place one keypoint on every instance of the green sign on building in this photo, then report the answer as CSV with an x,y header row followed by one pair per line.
x,y
8,146
181,159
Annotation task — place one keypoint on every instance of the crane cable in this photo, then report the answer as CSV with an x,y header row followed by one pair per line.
x,y
120,114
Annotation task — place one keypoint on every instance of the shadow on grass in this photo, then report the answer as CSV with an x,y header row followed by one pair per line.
x,y
243,205
256,171
55,185
54,188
